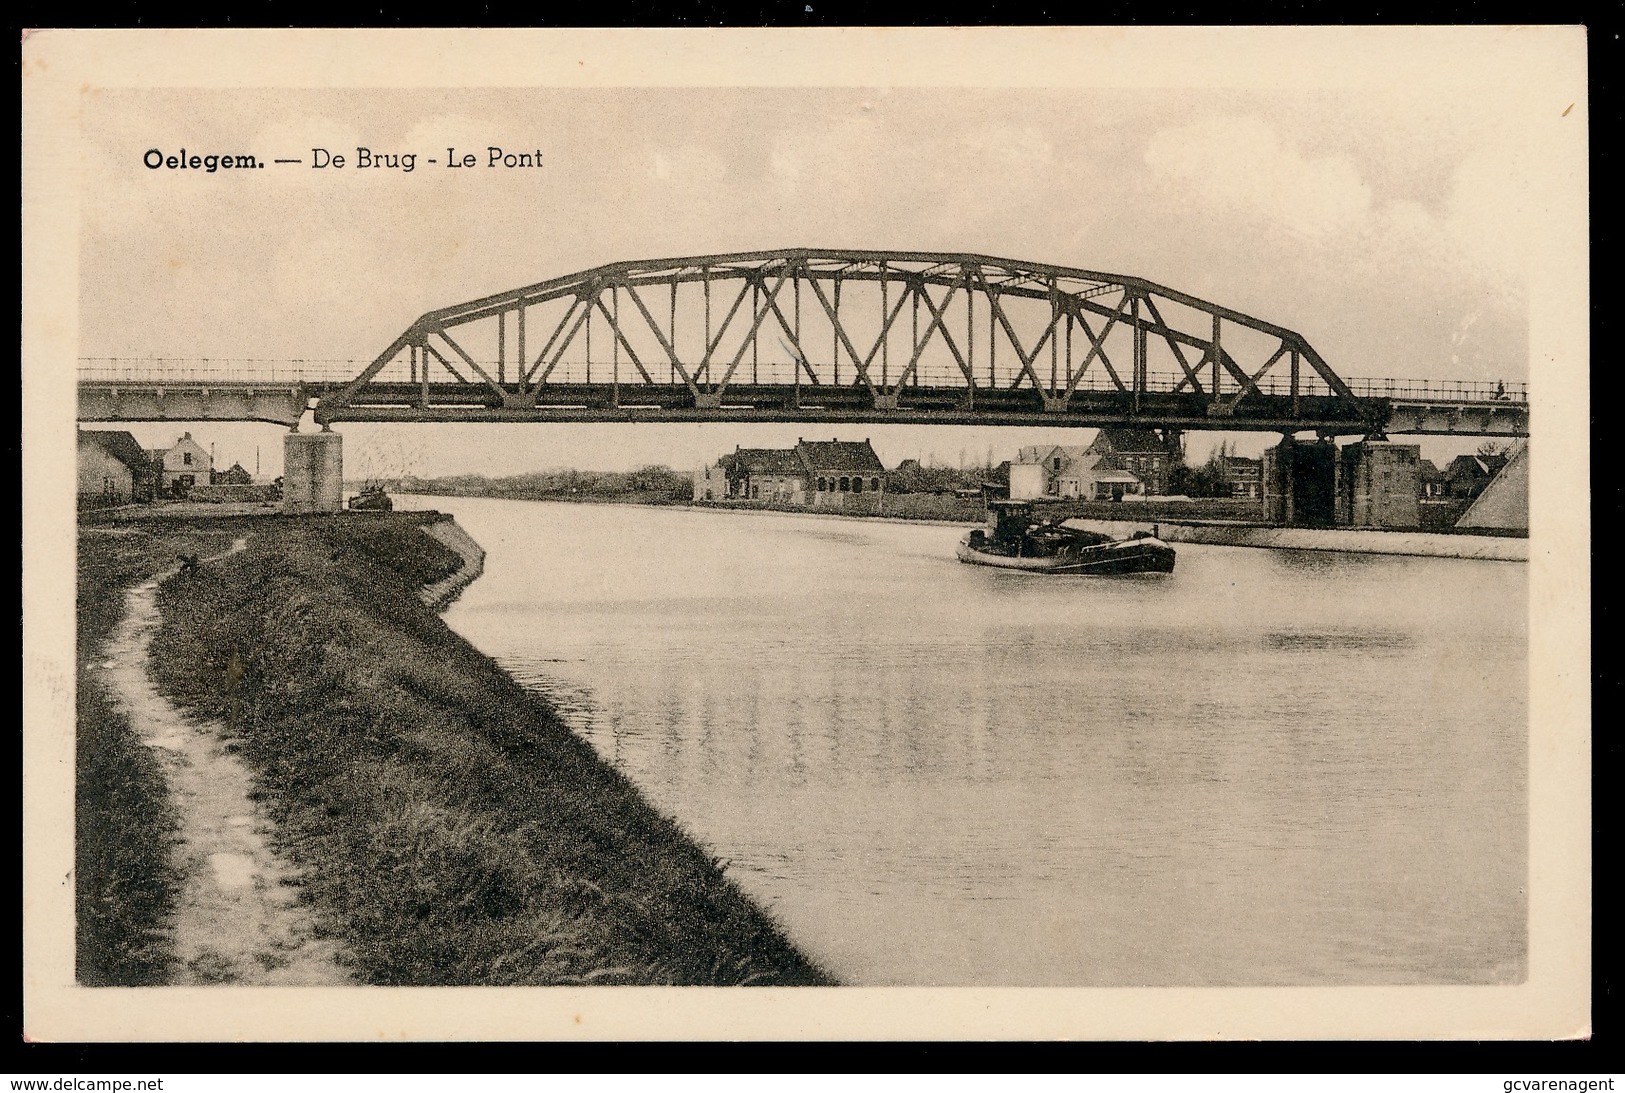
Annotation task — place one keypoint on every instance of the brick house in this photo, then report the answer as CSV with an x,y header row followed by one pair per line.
x,y
765,474
841,472
1244,476
1149,456
816,474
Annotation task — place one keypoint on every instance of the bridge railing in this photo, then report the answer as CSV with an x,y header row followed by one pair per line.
x,y
1441,390
927,374
214,370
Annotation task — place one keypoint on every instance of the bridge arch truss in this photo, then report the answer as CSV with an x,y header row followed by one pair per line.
x,y
826,335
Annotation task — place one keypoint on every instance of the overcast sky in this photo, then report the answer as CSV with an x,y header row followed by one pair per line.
x,y
1386,229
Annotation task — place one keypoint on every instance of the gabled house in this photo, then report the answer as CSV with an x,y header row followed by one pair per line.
x,y
1046,470
766,474
1148,455
840,471
113,469
234,475
1466,476
1430,480
1060,471
182,466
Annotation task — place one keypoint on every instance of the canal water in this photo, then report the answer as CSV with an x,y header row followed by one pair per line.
x,y
1270,767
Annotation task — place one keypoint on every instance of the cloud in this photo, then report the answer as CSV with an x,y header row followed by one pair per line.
x,y
1240,177
1240,164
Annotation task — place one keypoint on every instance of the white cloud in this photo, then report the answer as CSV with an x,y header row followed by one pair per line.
x,y
1240,164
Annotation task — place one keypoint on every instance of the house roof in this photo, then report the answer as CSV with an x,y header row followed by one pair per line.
x,y
1242,463
848,456
121,446
1132,441
1429,470
1467,464
764,461
1043,453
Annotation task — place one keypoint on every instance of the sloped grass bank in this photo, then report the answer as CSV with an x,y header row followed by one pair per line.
x,y
451,829
124,824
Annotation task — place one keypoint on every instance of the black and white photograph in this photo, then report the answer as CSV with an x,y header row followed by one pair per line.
x,y
1089,526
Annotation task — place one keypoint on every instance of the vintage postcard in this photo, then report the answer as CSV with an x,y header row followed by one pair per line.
x,y
934,534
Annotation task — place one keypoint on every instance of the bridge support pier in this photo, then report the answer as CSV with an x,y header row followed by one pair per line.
x,y
312,472
1300,482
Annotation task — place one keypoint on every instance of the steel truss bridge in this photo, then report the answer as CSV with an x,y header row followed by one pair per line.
x,y
827,336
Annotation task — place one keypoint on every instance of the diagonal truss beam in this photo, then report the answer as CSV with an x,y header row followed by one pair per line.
x,y
1097,347
992,295
934,279
840,333
665,343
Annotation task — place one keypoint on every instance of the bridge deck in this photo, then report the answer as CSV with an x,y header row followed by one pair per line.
x,y
1449,409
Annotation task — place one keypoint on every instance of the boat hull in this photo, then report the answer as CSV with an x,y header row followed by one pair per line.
x,y
1110,559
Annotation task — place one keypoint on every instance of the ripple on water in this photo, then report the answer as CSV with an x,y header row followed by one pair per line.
x,y
1263,769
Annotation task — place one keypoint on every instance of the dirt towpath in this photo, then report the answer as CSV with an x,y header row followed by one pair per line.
x,y
238,918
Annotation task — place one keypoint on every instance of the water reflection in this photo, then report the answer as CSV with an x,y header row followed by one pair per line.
x,y
1270,767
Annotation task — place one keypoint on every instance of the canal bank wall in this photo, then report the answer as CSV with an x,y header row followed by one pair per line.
x,y
449,534
448,827
1346,540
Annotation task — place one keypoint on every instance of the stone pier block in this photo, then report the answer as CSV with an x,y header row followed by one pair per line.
x,y
312,472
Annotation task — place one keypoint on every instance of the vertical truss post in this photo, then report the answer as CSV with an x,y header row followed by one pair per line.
x,y
502,347
423,375
755,329
412,358
1069,342
705,280
915,305
1218,355
1054,343
885,340
1294,383
970,337
589,336
1139,354
992,342
800,360
671,365
520,323
835,333
615,344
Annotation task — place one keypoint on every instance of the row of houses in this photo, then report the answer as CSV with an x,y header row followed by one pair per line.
x,y
843,474
114,469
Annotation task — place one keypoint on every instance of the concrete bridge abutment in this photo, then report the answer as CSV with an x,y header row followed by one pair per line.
x,y
312,472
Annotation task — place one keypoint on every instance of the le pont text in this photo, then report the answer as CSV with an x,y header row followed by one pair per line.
x,y
406,162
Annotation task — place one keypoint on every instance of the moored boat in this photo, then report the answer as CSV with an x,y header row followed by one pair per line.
x,y
1016,540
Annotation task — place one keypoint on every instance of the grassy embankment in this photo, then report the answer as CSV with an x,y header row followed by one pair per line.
x,y
451,829
124,884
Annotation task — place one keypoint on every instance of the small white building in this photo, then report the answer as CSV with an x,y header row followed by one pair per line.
x,y
1082,473
183,465
711,483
